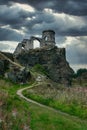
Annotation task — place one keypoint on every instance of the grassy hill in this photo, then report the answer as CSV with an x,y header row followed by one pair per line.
x,y
18,114
70,100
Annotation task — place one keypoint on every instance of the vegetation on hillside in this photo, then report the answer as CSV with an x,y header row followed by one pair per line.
x,y
72,100
40,69
17,114
80,77
80,72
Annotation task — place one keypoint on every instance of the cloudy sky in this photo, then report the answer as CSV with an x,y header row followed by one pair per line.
x,y
68,18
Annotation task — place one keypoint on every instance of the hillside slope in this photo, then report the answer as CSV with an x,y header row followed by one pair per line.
x,y
17,114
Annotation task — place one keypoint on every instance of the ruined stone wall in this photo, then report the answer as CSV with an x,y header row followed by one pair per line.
x,y
48,38
29,45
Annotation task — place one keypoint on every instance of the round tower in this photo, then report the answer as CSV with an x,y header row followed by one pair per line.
x,y
48,37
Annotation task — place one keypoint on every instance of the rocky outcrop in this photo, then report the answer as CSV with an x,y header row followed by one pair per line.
x,y
9,55
53,59
1,68
13,71
4,64
19,75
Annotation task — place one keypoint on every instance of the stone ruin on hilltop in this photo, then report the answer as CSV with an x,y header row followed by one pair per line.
x,y
48,39
52,58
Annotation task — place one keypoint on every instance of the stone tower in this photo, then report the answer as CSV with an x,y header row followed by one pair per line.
x,y
48,37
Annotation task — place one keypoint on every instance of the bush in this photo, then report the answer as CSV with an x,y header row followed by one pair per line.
x,y
39,68
80,72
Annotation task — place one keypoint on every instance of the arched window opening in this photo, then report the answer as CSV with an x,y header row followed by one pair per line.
x,y
46,38
36,44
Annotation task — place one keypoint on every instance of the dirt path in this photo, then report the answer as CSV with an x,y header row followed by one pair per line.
x,y
19,93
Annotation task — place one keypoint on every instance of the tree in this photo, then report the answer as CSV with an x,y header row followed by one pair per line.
x,y
80,72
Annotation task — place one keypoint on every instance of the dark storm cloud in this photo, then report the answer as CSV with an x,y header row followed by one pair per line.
x,y
15,17
38,21
73,7
74,32
9,35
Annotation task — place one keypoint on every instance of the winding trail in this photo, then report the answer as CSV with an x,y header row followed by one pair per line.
x,y
19,93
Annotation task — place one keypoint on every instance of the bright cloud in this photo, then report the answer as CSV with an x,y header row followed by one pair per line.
x,y
24,7
8,46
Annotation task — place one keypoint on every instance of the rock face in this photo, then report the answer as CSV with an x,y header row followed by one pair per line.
x,y
1,67
17,75
4,64
9,55
12,70
53,59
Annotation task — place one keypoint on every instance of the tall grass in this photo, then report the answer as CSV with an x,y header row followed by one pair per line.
x,y
71,100
17,114
12,117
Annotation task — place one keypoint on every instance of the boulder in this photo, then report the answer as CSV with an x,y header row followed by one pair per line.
x,y
19,75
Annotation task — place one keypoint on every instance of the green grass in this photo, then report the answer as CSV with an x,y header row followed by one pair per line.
x,y
17,114
40,69
70,100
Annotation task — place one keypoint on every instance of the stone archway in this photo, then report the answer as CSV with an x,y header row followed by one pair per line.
x,y
36,42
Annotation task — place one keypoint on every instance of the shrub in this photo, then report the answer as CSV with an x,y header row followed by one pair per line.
x,y
39,68
81,71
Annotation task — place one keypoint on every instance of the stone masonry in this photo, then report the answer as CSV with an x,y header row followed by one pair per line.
x,y
48,38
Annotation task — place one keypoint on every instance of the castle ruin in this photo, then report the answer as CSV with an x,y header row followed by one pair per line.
x,y
48,38
52,58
